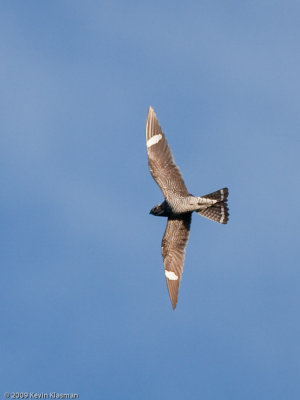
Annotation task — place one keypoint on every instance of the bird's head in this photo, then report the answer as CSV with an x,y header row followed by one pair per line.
x,y
160,210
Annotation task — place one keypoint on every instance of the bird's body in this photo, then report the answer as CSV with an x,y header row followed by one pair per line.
x,y
178,205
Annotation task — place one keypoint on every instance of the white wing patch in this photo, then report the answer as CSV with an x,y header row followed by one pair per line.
x,y
155,139
171,275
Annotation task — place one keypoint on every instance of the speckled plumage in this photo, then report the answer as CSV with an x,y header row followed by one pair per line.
x,y
178,204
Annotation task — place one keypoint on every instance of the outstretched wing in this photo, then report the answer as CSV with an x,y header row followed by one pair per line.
x,y
161,163
173,252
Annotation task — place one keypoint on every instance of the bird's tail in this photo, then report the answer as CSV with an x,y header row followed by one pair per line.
x,y
218,211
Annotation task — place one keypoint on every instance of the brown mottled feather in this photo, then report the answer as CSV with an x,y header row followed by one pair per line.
x,y
173,250
218,212
220,195
161,163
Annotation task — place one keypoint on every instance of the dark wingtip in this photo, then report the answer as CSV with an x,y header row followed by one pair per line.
x,y
174,303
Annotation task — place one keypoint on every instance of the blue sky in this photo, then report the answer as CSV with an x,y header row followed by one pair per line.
x,y
84,303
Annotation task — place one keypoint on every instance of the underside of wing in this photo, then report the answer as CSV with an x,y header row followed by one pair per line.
x,y
161,163
173,251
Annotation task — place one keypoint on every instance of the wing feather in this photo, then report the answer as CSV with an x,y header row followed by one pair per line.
x,y
173,251
161,163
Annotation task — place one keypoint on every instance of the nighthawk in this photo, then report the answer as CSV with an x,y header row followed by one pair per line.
x,y
178,204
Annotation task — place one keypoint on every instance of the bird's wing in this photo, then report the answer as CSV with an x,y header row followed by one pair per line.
x,y
173,251
161,163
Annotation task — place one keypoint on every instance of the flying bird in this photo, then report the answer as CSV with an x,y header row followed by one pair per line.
x,y
178,204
